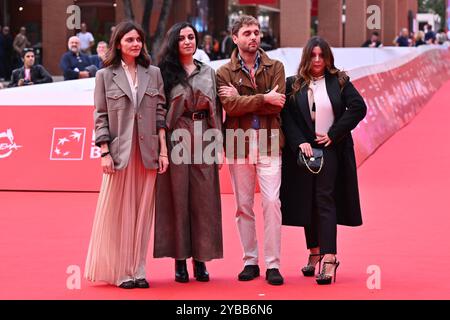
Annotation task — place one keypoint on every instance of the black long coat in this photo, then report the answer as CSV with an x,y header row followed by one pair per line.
x,y
297,185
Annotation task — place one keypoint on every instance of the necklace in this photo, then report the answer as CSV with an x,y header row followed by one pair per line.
x,y
315,79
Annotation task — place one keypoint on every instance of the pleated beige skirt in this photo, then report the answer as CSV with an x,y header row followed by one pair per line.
x,y
122,224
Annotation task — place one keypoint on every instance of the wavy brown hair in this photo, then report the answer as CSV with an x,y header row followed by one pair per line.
x,y
114,55
304,77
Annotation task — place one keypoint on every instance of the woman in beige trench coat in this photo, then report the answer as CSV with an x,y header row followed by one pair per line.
x,y
130,130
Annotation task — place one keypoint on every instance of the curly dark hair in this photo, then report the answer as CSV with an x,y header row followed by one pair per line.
x,y
168,59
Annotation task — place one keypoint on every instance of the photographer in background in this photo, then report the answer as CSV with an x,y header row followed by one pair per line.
x,y
29,74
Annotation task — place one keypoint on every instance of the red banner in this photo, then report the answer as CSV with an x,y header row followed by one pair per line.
x,y
395,97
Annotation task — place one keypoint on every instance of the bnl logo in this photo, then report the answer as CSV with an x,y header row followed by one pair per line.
x,y
68,144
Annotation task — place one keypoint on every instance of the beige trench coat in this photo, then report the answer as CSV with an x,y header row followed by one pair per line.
x,y
115,114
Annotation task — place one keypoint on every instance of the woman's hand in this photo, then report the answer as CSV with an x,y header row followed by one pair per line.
x,y
228,91
306,149
163,153
163,164
108,165
323,139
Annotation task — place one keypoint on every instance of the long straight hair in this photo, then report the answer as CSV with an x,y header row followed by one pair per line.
x,y
304,76
168,59
114,54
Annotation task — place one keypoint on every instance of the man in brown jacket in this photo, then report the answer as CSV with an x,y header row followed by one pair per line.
x,y
251,90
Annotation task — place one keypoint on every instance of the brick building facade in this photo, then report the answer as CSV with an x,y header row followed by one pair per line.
x,y
292,21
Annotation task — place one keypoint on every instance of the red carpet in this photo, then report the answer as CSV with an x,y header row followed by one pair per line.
x,y
406,205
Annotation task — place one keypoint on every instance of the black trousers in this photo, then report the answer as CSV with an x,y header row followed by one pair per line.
x,y
323,229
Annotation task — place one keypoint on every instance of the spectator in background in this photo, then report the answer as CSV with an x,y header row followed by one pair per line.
x,y
20,43
30,73
86,39
419,38
98,58
374,41
441,37
76,65
268,41
1,54
403,39
208,47
113,28
430,35
6,53
227,45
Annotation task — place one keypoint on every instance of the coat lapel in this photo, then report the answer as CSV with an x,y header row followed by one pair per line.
x,y
120,78
303,103
334,93
143,78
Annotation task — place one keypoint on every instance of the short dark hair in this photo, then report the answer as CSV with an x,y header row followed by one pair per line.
x,y
375,33
26,50
114,55
242,21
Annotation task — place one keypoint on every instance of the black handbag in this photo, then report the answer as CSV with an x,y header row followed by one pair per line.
x,y
314,164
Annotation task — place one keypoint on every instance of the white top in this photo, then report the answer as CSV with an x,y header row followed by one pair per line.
x,y
201,56
324,116
133,86
85,39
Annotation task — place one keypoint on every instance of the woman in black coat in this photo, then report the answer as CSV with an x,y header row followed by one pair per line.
x,y
322,108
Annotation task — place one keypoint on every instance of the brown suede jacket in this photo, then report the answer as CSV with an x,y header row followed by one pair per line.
x,y
240,109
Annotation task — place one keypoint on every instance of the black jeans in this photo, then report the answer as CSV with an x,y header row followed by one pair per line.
x,y
323,229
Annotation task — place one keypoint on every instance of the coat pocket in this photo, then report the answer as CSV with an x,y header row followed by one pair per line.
x,y
152,92
116,100
150,151
151,98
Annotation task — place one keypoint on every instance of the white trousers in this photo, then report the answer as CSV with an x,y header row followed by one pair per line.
x,y
243,178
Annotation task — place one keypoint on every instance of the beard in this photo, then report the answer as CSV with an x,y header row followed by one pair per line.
x,y
251,49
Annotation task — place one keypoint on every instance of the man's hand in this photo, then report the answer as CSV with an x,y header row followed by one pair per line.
x,y
84,75
275,98
228,91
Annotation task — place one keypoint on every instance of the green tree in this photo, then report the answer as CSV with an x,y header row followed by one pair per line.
x,y
158,37
434,6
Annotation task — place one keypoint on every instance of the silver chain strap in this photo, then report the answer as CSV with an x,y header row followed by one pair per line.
x,y
311,170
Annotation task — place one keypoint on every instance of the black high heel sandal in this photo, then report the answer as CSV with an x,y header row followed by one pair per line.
x,y
324,278
181,273
310,269
200,272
